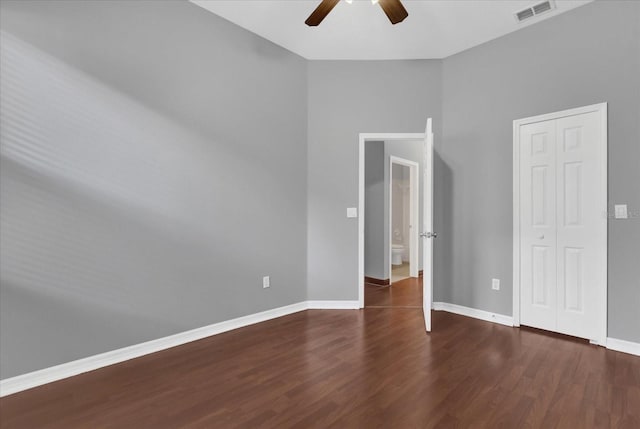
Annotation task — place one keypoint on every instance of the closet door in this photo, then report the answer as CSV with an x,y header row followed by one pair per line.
x,y
538,305
580,224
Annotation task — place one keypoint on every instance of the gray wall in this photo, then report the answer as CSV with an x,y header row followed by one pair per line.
x,y
345,99
588,55
153,170
374,207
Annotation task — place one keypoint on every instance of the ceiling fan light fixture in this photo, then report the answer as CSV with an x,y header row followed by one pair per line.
x,y
394,10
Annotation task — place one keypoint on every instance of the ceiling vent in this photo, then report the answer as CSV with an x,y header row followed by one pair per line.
x,y
535,10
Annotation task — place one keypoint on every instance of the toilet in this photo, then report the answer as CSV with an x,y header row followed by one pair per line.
x,y
397,250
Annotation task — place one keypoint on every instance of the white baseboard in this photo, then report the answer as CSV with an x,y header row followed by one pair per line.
x,y
47,375
612,343
333,305
473,312
623,346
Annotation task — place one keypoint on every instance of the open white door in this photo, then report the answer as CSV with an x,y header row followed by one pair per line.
x,y
427,228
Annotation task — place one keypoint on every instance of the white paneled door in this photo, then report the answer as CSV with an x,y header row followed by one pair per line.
x,y
428,233
538,224
562,224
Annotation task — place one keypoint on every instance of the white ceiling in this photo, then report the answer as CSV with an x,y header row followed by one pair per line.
x,y
361,31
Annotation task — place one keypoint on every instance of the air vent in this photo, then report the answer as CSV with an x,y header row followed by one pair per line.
x,y
542,7
524,14
534,10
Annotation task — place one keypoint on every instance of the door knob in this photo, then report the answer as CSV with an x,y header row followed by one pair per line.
x,y
428,234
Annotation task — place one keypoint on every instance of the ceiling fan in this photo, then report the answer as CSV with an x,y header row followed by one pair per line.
x,y
393,8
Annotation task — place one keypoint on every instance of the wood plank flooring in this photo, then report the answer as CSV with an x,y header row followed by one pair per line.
x,y
404,293
373,368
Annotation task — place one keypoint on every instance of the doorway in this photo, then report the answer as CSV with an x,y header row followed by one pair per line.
x,y
403,219
426,233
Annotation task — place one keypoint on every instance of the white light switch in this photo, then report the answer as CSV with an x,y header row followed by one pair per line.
x,y
352,212
621,211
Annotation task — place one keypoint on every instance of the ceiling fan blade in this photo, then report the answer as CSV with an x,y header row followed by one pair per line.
x,y
321,12
394,9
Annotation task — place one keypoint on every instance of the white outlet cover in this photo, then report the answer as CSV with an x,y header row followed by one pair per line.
x,y
621,211
352,212
266,282
495,284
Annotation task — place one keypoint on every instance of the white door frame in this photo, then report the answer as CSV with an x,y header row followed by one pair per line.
x,y
363,138
601,194
414,213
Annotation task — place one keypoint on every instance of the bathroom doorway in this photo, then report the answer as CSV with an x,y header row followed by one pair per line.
x,y
366,142
403,219
392,248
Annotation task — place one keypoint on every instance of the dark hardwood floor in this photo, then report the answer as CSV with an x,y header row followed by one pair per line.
x,y
404,293
374,368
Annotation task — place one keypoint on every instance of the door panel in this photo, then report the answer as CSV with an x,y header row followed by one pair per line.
x,y
572,193
539,196
427,252
578,174
573,279
538,225
541,280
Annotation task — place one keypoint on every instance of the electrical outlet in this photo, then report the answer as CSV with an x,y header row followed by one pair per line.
x,y
495,284
266,282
